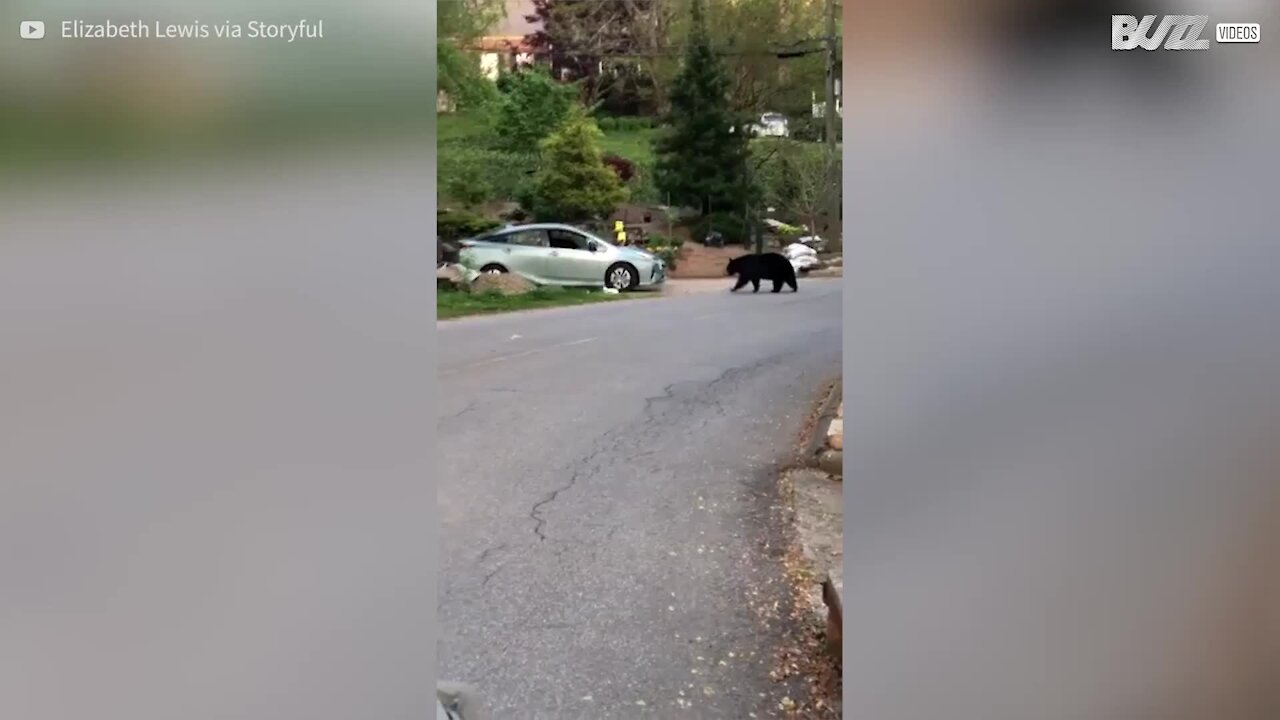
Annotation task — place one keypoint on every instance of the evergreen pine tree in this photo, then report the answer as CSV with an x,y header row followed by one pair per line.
x,y
702,154
573,183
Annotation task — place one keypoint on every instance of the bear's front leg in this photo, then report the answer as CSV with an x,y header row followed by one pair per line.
x,y
755,284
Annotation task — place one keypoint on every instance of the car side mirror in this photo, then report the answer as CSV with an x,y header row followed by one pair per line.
x,y
593,247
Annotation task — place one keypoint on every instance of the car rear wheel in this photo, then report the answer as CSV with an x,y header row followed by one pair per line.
x,y
492,270
621,276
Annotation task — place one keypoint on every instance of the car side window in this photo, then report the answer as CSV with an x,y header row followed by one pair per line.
x,y
528,238
565,240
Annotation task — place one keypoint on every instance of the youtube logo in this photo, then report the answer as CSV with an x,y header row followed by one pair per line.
x,y
31,29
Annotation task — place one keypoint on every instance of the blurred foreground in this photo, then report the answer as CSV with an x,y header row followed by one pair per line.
x,y
1062,409
214,489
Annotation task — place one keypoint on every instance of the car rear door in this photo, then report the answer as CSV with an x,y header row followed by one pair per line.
x,y
526,253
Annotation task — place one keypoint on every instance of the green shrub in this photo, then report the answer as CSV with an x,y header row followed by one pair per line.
x,y
455,225
625,124
502,173
789,231
532,107
806,128
793,179
669,255
731,225
660,240
666,248
468,184
641,185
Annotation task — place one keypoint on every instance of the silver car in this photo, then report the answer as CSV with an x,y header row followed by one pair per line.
x,y
554,254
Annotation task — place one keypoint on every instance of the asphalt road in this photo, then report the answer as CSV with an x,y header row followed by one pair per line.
x,y
606,475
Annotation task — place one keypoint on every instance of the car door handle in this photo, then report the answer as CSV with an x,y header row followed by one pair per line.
x,y
555,254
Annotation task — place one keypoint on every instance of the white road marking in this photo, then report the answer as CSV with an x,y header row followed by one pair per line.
x,y
535,351
526,353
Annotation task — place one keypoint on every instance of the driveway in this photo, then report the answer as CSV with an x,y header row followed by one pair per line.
x,y
606,475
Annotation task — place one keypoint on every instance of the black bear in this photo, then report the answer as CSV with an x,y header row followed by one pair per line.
x,y
765,266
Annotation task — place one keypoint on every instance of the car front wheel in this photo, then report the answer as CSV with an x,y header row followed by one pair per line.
x,y
621,277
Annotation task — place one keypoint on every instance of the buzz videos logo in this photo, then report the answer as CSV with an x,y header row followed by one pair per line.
x,y
1176,32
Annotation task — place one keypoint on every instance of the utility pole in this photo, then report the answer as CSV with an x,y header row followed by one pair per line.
x,y
829,131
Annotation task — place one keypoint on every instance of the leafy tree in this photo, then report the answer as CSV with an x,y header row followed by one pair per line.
x,y
703,151
756,31
533,105
459,24
573,183
604,45
751,34
794,180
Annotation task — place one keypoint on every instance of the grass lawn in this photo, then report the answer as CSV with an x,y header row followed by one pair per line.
x,y
634,145
455,304
461,143
457,127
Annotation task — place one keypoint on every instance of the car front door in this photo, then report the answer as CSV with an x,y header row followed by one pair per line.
x,y
572,261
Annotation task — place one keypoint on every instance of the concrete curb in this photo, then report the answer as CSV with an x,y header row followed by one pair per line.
x,y
826,449
835,618
825,453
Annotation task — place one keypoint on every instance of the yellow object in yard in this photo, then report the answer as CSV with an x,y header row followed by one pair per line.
x,y
622,237
618,226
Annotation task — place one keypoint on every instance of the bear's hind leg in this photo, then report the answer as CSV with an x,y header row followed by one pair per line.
x,y
755,285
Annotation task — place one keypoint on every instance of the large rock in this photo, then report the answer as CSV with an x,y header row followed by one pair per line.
x,y
450,277
503,284
835,434
831,587
832,463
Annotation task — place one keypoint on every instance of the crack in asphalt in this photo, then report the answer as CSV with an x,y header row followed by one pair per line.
x,y
485,556
534,512
484,582
491,550
706,394
471,406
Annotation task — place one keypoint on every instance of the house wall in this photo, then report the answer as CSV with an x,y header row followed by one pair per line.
x,y
490,64
515,22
